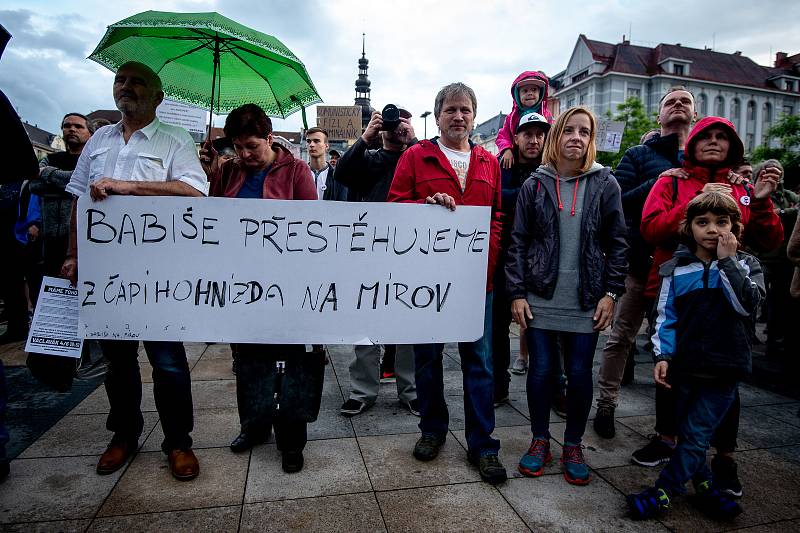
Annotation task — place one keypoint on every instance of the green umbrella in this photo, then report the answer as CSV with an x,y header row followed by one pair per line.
x,y
208,60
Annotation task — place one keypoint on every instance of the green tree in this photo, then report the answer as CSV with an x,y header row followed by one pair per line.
x,y
787,131
637,123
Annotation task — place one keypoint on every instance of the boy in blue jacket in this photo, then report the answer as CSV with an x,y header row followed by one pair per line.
x,y
706,308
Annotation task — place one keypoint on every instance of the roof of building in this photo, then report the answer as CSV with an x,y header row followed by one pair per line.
x,y
491,126
291,136
38,136
111,115
705,64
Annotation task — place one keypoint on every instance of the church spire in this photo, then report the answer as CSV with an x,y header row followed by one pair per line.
x,y
363,85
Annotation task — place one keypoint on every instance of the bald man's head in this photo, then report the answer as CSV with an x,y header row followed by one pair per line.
x,y
137,90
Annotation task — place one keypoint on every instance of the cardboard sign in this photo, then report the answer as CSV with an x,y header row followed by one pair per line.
x,y
609,135
275,271
341,122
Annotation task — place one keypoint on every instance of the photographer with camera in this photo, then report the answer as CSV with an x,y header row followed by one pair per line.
x,y
368,175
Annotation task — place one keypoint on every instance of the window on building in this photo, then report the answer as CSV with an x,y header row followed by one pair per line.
x,y
579,76
719,106
635,92
570,101
766,116
702,105
583,97
678,70
751,110
789,85
788,110
736,112
751,142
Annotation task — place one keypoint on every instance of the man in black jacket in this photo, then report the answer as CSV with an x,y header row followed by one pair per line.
x,y
528,143
636,174
368,175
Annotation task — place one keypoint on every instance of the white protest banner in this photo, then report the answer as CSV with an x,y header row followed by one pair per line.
x,y
274,271
54,329
609,135
190,118
342,122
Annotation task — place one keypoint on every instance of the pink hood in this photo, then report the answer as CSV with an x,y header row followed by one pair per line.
x,y
529,74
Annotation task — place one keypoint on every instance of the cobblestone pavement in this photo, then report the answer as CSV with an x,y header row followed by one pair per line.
x,y
360,474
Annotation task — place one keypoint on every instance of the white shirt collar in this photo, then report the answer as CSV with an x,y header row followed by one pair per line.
x,y
148,131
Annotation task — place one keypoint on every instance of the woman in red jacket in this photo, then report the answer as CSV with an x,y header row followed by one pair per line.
x,y
263,169
712,149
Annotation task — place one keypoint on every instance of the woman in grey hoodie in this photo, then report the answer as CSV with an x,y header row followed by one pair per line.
x,y
565,271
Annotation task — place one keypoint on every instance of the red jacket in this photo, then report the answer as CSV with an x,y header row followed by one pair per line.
x,y
662,215
287,179
423,170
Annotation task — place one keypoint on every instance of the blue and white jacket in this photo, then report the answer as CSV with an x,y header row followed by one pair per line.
x,y
706,314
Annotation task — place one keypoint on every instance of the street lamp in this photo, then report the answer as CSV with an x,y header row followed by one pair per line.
x,y
425,116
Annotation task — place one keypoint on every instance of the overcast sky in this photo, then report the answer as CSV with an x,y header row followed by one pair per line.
x,y
414,48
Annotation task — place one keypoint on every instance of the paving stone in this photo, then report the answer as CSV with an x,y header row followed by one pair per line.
x,y
213,428
758,469
775,527
391,465
212,368
466,507
765,431
195,520
79,435
354,513
385,418
331,467
788,453
751,395
217,351
62,526
217,394
330,424
515,441
148,486
602,453
504,415
785,412
53,489
549,503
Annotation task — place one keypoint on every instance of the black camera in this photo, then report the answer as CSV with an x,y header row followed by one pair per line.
x,y
391,117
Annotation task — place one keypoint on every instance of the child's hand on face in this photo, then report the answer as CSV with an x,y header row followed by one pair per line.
x,y
507,161
727,245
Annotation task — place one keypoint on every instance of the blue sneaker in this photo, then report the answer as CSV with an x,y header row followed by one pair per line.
x,y
575,470
538,455
647,504
714,503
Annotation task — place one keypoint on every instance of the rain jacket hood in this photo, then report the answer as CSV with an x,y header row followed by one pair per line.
x,y
735,151
541,105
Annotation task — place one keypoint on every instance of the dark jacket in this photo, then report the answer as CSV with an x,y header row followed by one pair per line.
x,y
512,180
54,175
21,165
288,178
366,173
533,256
636,174
706,314
333,189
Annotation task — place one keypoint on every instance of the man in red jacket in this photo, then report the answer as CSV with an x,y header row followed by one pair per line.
x,y
449,170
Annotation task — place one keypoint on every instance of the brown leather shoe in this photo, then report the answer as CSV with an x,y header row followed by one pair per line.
x,y
183,464
115,456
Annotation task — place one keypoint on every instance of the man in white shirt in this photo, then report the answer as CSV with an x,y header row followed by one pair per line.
x,y
140,156
327,187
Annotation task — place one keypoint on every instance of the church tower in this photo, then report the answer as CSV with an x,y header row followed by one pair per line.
x,y
362,86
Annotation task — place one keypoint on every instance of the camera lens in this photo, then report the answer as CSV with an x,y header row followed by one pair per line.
x,y
391,117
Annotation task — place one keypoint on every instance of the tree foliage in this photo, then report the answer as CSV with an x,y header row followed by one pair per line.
x,y
787,132
637,123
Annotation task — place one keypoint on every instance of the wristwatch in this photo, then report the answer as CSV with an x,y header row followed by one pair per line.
x,y
614,296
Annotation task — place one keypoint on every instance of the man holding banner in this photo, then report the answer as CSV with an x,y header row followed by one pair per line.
x,y
140,156
449,171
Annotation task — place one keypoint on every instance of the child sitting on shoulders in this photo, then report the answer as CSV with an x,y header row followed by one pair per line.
x,y
702,344
529,92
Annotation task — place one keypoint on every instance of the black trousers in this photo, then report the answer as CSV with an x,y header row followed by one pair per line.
x,y
501,345
254,363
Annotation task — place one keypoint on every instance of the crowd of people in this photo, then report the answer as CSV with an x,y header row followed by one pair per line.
x,y
683,233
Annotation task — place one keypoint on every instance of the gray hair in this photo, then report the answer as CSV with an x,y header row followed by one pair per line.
x,y
454,89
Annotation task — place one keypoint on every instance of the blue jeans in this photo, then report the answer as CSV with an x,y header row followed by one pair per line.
x,y
476,367
544,372
172,390
701,406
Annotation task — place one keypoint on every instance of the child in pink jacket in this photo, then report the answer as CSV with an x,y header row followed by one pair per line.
x,y
529,92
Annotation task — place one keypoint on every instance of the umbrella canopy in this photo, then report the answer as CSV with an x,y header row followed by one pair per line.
x,y
208,60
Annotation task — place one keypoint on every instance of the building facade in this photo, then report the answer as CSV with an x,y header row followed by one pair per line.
x,y
603,75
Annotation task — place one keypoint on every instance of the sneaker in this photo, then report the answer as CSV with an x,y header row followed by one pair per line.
x,y
491,469
500,400
575,470
653,453
726,477
411,406
292,461
427,447
353,407
520,366
388,376
713,503
538,455
560,403
604,422
647,504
